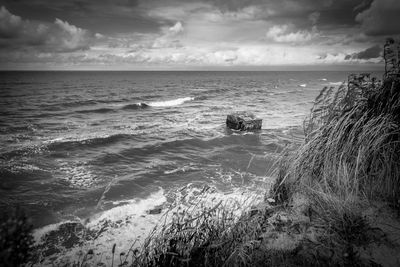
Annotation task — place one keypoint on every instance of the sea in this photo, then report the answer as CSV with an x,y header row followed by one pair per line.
x,y
100,150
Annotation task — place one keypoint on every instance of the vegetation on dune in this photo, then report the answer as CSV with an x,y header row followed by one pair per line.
x,y
208,236
351,158
352,152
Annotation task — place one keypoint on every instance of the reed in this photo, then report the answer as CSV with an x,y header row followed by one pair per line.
x,y
351,155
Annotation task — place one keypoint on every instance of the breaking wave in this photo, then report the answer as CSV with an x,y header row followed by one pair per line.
x,y
170,103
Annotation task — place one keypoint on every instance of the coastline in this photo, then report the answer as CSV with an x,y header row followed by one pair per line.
x,y
335,200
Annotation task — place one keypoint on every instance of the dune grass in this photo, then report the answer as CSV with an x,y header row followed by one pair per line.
x,y
354,155
351,158
202,235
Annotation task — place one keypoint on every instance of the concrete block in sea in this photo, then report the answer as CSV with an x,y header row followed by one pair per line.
x,y
243,121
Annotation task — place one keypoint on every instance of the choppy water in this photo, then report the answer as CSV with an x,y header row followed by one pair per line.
x,y
107,146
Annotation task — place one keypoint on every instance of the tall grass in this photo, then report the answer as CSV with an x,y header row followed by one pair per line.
x,y
353,155
202,235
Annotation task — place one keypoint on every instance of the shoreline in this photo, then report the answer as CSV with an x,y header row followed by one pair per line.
x,y
334,201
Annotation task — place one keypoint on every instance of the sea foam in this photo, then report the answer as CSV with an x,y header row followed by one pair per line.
x,y
129,224
170,103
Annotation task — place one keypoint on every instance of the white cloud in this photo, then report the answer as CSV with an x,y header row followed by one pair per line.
x,y
99,35
283,34
10,24
169,37
70,37
176,29
223,57
59,36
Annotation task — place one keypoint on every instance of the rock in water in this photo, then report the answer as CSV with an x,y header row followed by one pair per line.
x,y
243,121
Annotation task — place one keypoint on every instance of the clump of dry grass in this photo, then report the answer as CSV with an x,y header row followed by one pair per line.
x,y
351,156
354,154
203,235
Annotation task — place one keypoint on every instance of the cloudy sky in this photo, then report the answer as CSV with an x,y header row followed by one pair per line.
x,y
195,34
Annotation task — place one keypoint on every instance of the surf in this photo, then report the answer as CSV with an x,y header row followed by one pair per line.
x,y
171,103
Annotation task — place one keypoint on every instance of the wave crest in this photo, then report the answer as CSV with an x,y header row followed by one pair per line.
x,y
170,103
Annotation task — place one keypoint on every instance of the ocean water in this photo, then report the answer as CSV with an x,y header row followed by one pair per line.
x,y
101,149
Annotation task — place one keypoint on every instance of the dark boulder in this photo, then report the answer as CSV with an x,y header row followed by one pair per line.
x,y
243,121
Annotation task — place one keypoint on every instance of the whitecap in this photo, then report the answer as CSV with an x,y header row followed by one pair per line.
x,y
170,103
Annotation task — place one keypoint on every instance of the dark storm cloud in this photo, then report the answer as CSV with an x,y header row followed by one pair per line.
x,y
126,15
382,18
104,16
332,13
250,32
369,53
59,36
121,16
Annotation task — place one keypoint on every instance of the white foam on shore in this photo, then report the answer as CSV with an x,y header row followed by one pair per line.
x,y
133,208
40,232
122,225
130,224
170,103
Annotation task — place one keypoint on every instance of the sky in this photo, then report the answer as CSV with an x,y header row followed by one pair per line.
x,y
195,34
